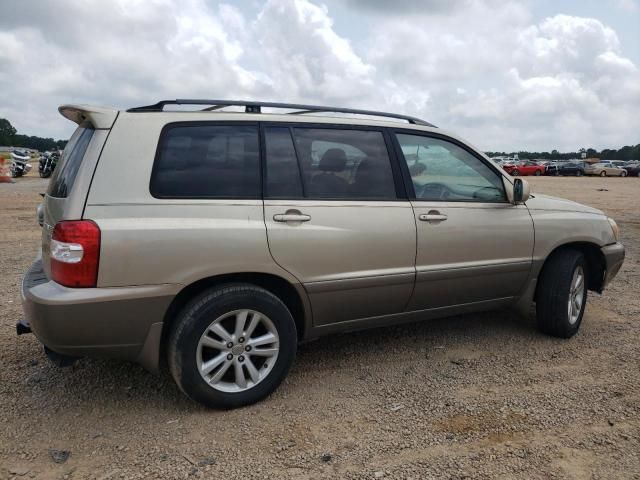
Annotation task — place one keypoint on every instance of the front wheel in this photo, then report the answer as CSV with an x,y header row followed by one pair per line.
x,y
515,173
579,173
603,173
624,173
232,346
562,294
538,173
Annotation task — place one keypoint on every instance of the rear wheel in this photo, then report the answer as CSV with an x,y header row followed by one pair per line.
x,y
515,173
562,294
624,173
603,173
578,173
232,346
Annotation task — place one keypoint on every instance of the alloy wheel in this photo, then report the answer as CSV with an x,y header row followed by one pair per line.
x,y
576,295
237,350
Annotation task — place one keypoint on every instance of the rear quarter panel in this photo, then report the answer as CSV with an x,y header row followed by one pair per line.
x,y
146,240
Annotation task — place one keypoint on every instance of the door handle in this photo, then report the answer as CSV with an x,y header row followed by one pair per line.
x,y
433,216
291,217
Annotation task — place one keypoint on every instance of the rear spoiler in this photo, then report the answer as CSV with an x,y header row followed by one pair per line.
x,y
99,117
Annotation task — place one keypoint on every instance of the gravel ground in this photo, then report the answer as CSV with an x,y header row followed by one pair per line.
x,y
476,396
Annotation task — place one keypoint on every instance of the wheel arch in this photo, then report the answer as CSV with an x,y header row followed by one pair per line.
x,y
294,297
596,265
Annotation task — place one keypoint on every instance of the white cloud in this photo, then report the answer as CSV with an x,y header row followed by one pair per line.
x,y
482,68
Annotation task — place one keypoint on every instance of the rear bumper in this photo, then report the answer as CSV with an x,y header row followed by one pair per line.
x,y
98,322
614,258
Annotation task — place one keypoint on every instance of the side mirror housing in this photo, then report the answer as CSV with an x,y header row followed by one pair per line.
x,y
518,191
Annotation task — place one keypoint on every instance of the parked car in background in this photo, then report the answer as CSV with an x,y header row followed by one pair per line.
x,y
633,169
524,168
603,169
564,168
238,235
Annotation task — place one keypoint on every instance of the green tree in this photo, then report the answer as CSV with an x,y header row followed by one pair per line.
x,y
7,132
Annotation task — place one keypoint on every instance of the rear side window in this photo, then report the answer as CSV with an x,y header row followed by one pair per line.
x,y
65,175
344,164
207,161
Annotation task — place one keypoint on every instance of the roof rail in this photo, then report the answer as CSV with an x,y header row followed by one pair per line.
x,y
256,107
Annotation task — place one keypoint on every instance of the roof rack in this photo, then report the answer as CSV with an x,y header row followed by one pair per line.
x,y
256,107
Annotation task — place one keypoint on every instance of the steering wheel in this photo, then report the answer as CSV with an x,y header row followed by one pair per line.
x,y
489,193
434,191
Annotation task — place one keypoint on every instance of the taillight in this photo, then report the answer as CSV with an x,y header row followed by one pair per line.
x,y
75,253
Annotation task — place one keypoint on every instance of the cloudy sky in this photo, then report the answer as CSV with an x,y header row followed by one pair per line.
x,y
505,74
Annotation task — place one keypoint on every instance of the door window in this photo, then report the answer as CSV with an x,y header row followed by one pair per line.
x,y
207,161
343,164
443,171
283,174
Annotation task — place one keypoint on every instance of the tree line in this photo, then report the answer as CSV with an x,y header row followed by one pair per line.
x,y
9,137
624,153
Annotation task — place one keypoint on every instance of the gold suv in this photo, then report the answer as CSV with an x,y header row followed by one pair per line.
x,y
218,240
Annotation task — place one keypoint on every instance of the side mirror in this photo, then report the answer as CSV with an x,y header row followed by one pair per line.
x,y
518,191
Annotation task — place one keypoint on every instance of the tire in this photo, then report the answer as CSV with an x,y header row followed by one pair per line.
x,y
556,287
624,173
556,173
538,173
515,173
219,307
579,173
603,173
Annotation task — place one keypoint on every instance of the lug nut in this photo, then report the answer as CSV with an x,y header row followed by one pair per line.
x,y
230,345
229,357
248,348
241,339
241,358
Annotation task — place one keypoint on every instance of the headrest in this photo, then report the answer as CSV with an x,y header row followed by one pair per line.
x,y
333,160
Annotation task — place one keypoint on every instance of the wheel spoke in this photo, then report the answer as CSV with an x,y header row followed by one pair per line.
x,y
241,320
211,343
264,352
241,381
253,371
579,282
255,319
220,331
265,339
210,365
220,373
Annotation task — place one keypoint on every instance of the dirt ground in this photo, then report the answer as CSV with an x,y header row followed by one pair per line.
x,y
477,396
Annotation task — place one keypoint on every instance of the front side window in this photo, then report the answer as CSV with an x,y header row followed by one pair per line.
x,y
344,164
207,161
442,171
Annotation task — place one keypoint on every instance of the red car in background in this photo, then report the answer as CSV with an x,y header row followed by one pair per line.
x,y
524,168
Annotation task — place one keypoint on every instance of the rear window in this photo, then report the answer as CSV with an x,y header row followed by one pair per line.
x,y
65,174
207,161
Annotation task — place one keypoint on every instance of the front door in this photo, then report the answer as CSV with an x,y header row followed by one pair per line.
x,y
473,245
335,220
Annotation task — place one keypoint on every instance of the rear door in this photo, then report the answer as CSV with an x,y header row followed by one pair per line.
x,y
474,246
338,219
